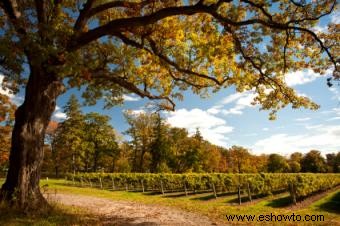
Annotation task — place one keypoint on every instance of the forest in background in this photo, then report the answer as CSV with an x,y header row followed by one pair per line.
x,y
88,143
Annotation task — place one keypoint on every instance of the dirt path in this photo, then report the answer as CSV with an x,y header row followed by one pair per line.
x,y
131,213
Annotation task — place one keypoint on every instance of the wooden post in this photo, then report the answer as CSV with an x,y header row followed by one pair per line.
x,y
142,182
162,189
249,193
239,195
126,186
293,193
214,190
81,181
185,189
90,182
101,183
113,184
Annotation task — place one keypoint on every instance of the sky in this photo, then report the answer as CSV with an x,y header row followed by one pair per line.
x,y
227,118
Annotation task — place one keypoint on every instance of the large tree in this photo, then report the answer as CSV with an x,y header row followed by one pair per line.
x,y
152,48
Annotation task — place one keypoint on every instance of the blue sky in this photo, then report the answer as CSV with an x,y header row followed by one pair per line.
x,y
227,118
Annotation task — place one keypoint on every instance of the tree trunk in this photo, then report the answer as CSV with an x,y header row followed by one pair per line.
x,y
21,187
95,158
56,171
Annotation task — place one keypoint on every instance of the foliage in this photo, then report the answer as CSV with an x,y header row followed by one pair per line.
x,y
82,142
168,47
277,164
313,162
7,109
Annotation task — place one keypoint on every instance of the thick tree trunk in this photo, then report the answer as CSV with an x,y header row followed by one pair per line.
x,y
21,187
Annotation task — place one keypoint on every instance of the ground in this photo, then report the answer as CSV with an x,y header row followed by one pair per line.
x,y
131,213
93,206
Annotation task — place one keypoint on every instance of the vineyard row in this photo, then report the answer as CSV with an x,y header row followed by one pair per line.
x,y
298,185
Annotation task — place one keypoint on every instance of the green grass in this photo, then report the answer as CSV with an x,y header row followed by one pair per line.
x,y
200,203
59,215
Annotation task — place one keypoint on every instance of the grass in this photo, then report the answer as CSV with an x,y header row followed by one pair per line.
x,y
200,203
59,215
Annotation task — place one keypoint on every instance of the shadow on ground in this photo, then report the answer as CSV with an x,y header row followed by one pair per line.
x,y
332,205
60,216
280,202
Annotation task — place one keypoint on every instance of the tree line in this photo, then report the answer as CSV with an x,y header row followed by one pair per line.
x,y
88,143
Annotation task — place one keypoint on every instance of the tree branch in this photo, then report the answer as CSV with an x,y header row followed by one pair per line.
x,y
132,87
118,26
83,16
11,9
123,24
118,4
154,50
40,8
260,7
314,18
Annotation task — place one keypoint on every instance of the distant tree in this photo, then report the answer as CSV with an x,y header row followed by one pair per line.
x,y
313,162
100,139
239,160
212,158
294,166
141,131
260,163
179,144
51,159
123,162
277,164
70,135
295,162
7,109
159,147
336,165
333,162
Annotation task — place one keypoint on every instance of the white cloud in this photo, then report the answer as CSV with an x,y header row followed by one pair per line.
x,y
237,110
319,29
130,97
135,112
336,111
241,100
301,77
215,109
232,98
265,129
58,114
303,119
335,17
2,91
211,127
251,134
336,93
15,99
312,127
333,119
326,139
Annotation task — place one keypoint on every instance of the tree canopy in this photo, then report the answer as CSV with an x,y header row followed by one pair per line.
x,y
158,48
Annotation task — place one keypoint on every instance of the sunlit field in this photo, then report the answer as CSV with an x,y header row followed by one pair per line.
x,y
204,204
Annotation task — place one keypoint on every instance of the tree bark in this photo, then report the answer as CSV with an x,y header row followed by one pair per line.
x,y
21,187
